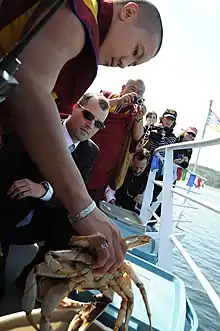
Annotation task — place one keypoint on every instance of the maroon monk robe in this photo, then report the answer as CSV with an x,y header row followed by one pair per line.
x,y
78,74
110,141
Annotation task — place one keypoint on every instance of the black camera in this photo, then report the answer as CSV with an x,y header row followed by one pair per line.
x,y
156,129
156,133
7,80
138,101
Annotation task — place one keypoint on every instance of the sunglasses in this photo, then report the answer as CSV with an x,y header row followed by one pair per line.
x,y
90,117
192,134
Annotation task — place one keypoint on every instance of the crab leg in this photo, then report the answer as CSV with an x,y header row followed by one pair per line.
x,y
130,305
126,288
29,297
123,307
87,315
131,273
51,300
80,320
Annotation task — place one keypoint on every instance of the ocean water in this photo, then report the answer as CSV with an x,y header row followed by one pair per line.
x,y
202,241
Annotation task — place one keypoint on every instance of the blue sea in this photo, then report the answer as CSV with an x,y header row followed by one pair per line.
x,y
202,241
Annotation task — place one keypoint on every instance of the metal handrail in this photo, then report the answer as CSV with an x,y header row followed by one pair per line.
x,y
186,145
197,201
167,238
213,296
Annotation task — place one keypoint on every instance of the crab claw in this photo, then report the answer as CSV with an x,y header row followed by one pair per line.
x,y
137,241
94,241
87,315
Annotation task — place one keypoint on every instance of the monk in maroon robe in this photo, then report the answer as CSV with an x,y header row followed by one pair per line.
x,y
65,53
124,128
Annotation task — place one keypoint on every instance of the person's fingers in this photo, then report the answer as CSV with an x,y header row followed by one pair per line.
x,y
18,191
18,184
102,261
22,195
124,246
120,249
115,257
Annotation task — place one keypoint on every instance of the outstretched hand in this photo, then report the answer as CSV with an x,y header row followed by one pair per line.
x,y
111,257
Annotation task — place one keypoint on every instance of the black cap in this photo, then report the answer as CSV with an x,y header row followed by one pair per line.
x,y
170,113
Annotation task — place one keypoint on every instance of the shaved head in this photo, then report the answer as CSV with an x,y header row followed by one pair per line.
x,y
135,34
149,19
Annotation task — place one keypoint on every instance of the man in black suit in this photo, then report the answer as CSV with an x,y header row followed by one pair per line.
x,y
29,211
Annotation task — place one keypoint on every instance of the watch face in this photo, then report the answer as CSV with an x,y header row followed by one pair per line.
x,y
46,186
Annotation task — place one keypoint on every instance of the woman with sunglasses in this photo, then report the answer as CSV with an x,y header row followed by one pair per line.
x,y
183,156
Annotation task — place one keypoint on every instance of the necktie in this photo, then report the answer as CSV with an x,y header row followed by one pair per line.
x,y
72,148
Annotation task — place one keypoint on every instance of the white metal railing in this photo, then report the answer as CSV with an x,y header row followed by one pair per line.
x,y
166,237
198,273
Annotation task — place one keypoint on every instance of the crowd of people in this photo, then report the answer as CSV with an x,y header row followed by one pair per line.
x,y
52,173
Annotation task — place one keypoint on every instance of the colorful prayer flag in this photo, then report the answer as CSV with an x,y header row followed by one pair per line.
x,y
184,173
191,180
197,182
179,172
213,121
155,163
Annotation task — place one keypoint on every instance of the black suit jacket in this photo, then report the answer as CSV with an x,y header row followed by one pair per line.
x,y
85,155
16,164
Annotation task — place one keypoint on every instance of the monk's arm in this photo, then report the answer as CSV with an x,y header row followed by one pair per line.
x,y
115,102
35,113
138,129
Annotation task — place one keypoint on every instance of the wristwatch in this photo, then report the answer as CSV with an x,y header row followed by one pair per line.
x,y
49,191
45,186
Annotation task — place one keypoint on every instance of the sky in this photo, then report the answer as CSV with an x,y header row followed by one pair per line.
x,y
185,74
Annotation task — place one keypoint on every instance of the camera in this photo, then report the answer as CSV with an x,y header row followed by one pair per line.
x,y
157,129
138,101
7,80
156,133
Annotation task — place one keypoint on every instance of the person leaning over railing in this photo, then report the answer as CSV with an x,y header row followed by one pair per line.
x,y
182,157
160,136
81,35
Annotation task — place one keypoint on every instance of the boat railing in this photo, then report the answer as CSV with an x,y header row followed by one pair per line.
x,y
167,239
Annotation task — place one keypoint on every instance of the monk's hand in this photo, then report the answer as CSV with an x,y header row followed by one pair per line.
x,y
128,98
140,112
108,258
26,188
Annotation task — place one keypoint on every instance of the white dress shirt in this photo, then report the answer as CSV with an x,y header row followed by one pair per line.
x,y
67,136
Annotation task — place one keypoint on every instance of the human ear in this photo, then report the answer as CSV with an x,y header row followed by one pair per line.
x,y
129,11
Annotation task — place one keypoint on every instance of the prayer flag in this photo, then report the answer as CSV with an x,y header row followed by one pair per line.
x,y
191,180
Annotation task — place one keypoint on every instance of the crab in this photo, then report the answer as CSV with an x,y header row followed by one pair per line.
x,y
67,270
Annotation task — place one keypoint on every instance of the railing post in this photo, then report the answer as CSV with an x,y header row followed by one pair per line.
x,y
147,198
166,219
